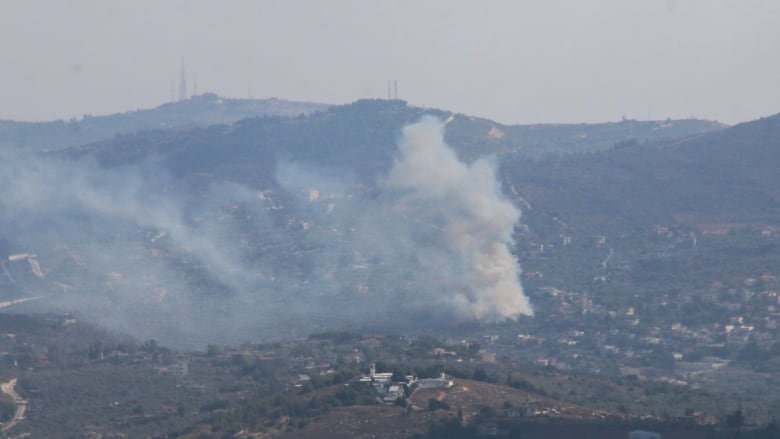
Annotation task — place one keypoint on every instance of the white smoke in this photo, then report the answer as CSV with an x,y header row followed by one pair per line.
x,y
141,252
474,222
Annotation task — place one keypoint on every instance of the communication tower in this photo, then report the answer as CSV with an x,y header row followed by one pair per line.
x,y
183,83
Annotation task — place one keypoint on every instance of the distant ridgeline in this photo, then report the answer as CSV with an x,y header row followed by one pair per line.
x,y
469,133
724,178
362,137
276,221
200,110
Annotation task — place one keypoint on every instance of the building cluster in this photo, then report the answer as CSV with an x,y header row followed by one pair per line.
x,y
674,335
391,391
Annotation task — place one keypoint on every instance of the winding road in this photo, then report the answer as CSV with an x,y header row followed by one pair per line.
x,y
21,404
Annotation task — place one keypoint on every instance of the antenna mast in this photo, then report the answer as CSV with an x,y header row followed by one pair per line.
x,y
183,83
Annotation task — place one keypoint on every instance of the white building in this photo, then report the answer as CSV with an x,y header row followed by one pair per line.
x,y
436,383
393,393
377,378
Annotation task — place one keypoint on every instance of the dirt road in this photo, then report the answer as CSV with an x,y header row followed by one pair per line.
x,y
21,404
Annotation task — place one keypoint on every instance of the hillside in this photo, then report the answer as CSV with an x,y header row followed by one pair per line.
x,y
650,265
362,136
725,177
201,110
293,214
476,137
75,380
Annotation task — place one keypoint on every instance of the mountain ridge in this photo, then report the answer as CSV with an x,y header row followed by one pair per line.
x,y
199,110
723,176
268,210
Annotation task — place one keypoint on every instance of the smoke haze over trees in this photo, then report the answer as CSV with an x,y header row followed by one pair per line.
x,y
136,249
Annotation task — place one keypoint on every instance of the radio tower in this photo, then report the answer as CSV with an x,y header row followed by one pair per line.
x,y
183,83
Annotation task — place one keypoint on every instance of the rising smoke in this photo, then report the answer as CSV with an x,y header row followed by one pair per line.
x,y
137,250
464,205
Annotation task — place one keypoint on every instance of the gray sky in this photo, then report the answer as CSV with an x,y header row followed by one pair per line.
x,y
520,61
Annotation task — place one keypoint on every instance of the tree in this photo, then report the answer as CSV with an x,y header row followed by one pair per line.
x,y
434,404
735,420
212,351
398,376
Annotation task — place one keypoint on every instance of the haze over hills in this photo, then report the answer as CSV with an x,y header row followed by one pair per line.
x,y
368,127
200,110
274,220
725,177
631,266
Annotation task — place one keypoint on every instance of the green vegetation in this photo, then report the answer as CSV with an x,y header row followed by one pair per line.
x,y
653,273
448,429
201,110
101,385
290,410
7,408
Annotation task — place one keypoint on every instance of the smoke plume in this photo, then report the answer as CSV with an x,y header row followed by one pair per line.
x,y
142,251
464,207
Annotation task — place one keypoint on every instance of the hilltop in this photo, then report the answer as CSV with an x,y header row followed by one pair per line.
x,y
200,110
360,138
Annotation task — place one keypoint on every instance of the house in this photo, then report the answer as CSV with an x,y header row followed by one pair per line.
x,y
513,413
382,382
519,412
436,383
180,369
393,393
377,378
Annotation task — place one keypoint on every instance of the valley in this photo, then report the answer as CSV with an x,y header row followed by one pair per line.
x,y
229,280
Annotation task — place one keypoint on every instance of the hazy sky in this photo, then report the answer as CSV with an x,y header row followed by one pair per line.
x,y
517,61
